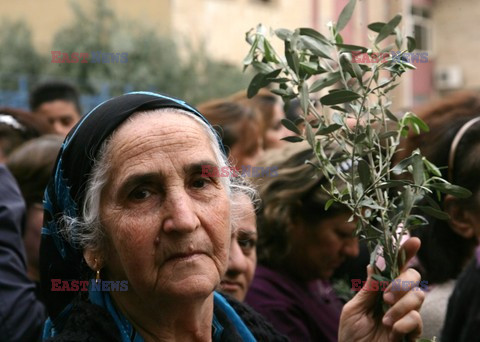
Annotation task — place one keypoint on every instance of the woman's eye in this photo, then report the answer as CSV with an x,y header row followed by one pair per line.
x,y
247,244
200,183
141,194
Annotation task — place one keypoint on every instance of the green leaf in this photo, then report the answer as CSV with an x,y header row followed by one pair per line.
x,y
315,46
345,15
293,139
283,34
251,54
326,81
451,189
310,135
411,44
304,98
263,68
306,31
292,58
329,203
432,168
376,27
340,96
388,28
417,165
309,68
291,126
328,129
269,53
416,220
402,165
390,115
434,212
349,47
259,81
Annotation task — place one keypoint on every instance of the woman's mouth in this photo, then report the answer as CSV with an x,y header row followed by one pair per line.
x,y
231,286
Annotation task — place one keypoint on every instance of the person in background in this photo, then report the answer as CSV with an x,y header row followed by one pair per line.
x,y
299,247
31,164
242,259
271,114
21,314
452,144
239,127
58,102
18,126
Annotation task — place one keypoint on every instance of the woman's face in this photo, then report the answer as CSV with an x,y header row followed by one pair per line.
x,y
167,227
243,256
320,249
276,130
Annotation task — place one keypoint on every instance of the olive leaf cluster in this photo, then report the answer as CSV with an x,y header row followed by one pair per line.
x,y
354,117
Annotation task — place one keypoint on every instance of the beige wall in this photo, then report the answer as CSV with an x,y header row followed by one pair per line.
x,y
457,37
46,17
220,25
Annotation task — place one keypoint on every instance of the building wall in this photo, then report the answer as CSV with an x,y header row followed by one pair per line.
x,y
456,39
46,17
220,25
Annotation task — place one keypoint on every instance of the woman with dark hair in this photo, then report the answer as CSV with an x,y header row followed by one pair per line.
x,y
238,126
299,247
452,144
271,113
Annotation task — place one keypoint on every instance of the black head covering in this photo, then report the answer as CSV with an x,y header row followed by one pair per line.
x,y
65,193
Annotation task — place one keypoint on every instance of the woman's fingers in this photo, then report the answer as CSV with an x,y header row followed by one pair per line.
x,y
412,300
409,325
398,288
410,248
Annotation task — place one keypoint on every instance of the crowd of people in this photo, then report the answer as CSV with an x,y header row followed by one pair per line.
x,y
118,196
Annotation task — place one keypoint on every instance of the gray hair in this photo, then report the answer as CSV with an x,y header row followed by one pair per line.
x,y
87,233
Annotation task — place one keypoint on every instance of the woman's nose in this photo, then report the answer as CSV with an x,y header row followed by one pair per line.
x,y
180,212
351,247
236,261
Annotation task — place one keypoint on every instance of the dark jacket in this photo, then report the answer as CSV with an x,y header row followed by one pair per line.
x,y
462,323
21,313
89,322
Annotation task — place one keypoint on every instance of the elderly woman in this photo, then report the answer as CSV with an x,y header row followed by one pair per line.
x,y
299,247
128,203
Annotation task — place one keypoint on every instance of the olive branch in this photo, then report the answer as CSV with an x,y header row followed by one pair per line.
x,y
354,117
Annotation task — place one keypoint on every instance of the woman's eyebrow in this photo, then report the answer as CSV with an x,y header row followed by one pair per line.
x,y
199,166
139,178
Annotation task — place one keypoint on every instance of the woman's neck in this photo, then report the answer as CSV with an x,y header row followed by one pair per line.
x,y
179,320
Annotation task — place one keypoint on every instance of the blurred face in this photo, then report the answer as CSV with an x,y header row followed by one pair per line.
x,y
167,227
240,158
243,256
276,130
318,250
61,115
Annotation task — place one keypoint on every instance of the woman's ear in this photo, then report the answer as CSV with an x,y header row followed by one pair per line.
x,y
92,259
462,220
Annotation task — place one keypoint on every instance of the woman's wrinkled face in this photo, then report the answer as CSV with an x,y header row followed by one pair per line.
x,y
243,256
167,227
320,249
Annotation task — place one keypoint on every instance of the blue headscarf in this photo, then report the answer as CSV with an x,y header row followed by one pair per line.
x,y
65,194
